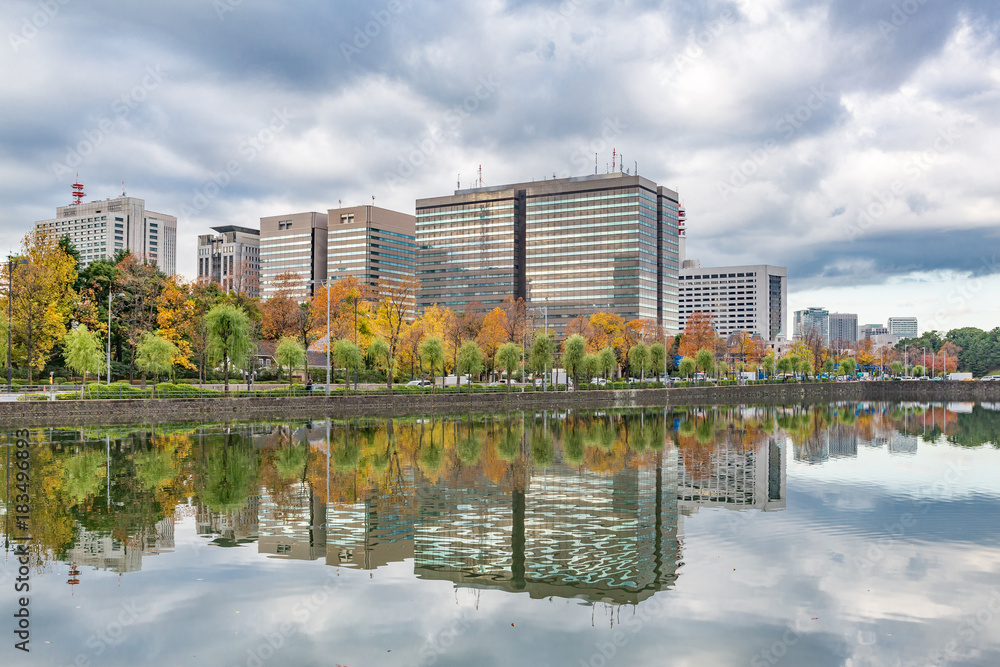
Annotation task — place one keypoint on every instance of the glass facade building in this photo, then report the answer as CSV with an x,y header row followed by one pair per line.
x,y
370,244
293,244
574,246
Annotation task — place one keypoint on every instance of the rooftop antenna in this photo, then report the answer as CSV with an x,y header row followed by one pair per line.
x,y
123,188
78,192
458,183
595,164
614,154
636,167
621,164
480,175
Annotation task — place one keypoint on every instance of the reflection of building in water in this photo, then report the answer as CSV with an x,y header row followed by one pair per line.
x,y
232,528
292,525
736,478
570,534
843,441
100,550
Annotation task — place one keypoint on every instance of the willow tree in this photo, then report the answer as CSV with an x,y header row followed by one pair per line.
x,y
348,356
470,360
228,337
155,355
432,350
574,351
82,351
508,355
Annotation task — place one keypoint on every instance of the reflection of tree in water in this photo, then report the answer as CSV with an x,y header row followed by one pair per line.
x,y
542,449
228,473
84,475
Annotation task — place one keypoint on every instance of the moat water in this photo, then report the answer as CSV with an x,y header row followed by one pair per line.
x,y
847,534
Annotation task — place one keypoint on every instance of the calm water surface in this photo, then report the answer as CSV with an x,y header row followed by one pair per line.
x,y
849,534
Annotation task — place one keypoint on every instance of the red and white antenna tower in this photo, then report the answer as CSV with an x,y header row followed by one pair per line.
x,y
78,192
480,175
614,154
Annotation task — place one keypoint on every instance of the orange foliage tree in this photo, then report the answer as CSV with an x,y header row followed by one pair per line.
x,y
699,334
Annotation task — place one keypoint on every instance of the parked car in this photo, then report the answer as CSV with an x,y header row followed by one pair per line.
x,y
418,383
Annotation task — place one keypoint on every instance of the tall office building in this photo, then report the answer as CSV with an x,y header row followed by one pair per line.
x,y
739,298
294,244
812,319
102,228
872,330
370,244
843,329
570,246
903,326
231,258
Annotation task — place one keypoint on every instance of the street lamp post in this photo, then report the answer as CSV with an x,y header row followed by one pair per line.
x,y
11,263
326,286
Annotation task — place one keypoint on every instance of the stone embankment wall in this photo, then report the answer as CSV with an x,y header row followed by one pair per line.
x,y
65,413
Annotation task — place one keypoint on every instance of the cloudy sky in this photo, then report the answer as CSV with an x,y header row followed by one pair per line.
x,y
852,141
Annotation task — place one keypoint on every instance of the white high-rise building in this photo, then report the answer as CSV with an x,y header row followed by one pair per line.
x,y
739,298
231,258
101,228
843,329
903,326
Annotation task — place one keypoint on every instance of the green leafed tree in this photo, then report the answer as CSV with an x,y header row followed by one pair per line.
x,y
705,360
289,353
658,358
155,355
540,358
688,367
381,354
229,341
508,358
82,351
348,356
574,351
432,351
470,360
608,362
638,359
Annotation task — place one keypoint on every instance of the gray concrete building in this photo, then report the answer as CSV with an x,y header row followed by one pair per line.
x,y
296,244
843,329
570,246
231,258
750,298
102,228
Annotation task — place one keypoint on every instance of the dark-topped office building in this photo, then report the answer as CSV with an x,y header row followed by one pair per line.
x,y
570,246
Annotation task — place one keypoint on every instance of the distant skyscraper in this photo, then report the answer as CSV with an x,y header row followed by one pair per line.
x,y
296,244
843,329
903,326
101,228
231,258
370,244
739,298
813,319
573,246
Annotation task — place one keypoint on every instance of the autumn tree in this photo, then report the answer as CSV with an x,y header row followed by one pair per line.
x,y
608,331
176,319
515,318
138,284
492,334
698,335
41,298
280,313
394,303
